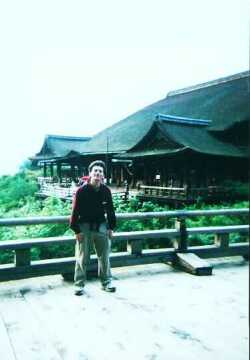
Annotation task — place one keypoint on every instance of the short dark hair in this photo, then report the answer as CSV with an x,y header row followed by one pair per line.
x,y
97,163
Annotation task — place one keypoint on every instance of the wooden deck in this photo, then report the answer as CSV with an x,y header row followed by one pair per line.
x,y
157,313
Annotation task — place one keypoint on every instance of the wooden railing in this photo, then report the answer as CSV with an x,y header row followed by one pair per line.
x,y
162,190
190,258
182,193
67,190
56,190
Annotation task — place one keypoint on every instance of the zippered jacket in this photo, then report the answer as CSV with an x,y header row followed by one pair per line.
x,y
90,206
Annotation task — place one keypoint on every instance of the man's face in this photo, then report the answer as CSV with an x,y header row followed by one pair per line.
x,y
96,173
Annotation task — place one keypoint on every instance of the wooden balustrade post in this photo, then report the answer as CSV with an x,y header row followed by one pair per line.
x,y
246,257
22,257
221,240
188,261
134,247
181,243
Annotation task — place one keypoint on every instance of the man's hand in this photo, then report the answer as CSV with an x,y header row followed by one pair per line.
x,y
79,237
110,233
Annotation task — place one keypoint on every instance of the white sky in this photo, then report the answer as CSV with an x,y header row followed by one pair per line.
x,y
76,67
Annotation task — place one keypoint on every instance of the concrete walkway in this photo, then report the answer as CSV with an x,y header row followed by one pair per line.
x,y
157,313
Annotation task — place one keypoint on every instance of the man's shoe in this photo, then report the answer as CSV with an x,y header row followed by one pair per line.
x,y
108,288
79,292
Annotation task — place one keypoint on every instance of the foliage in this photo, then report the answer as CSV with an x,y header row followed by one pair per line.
x,y
16,191
218,220
17,199
237,188
26,165
200,221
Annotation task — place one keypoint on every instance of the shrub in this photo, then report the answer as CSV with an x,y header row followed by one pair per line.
x,y
17,199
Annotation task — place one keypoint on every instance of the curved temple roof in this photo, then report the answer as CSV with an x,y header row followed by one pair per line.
x,y
195,117
177,135
56,146
224,102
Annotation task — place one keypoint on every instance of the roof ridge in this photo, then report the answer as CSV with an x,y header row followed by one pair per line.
x,y
210,83
182,120
66,137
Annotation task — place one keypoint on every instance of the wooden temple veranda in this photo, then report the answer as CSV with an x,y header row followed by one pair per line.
x,y
159,311
192,143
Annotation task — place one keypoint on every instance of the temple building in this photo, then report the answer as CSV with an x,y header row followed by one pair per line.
x,y
193,138
60,157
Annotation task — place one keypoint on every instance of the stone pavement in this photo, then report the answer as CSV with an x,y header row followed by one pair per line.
x,y
157,313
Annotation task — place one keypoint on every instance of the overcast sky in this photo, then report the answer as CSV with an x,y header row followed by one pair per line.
x,y
76,67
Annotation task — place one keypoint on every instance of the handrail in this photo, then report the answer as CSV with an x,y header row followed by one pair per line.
x,y
178,254
152,187
39,220
124,236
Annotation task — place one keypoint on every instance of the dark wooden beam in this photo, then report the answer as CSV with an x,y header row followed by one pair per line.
x,y
193,264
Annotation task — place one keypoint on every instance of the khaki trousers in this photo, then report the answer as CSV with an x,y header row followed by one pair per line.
x,y
101,243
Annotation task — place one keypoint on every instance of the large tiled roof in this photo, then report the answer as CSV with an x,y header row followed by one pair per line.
x,y
224,102
56,146
170,135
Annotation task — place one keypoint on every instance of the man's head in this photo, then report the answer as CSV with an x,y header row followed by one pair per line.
x,y
96,171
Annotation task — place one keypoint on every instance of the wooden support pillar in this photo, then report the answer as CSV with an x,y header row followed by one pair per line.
x,y
59,172
116,176
145,179
186,191
51,170
80,170
134,247
119,176
22,257
44,170
72,171
122,175
164,182
113,178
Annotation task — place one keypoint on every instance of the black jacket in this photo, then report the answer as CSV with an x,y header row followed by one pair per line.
x,y
90,206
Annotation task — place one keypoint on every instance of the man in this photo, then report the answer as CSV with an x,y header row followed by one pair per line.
x,y
92,200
